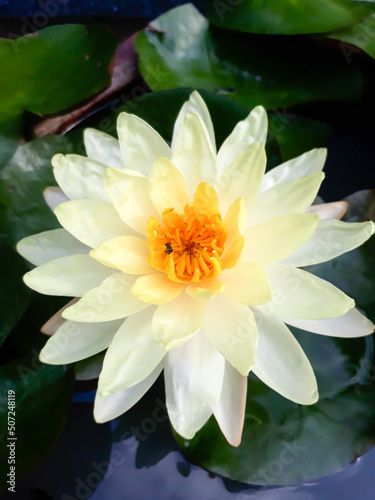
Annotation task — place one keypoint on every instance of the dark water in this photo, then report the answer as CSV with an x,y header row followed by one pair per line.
x,y
59,8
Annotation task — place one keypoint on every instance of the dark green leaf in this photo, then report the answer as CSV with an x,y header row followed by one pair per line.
x,y
181,50
54,68
287,17
22,182
361,35
42,396
14,295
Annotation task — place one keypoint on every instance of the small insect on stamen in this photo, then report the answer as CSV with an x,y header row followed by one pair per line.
x,y
168,248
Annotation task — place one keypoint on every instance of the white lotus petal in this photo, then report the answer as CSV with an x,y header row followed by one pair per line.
x,y
351,324
80,177
231,328
193,381
74,341
330,239
281,363
49,245
195,104
130,195
103,148
302,295
53,196
132,355
91,221
289,197
230,410
140,144
70,276
167,187
109,301
125,253
242,177
156,289
247,284
176,322
276,239
252,129
193,154
305,164
109,407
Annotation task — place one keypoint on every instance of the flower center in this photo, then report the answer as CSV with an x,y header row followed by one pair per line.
x,y
189,246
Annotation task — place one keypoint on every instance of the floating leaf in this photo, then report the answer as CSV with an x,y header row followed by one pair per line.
x,y
42,394
361,35
14,295
287,17
181,50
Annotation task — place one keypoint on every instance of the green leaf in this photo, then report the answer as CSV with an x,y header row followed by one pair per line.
x,y
49,71
181,50
297,134
42,395
14,295
54,68
22,182
287,17
360,35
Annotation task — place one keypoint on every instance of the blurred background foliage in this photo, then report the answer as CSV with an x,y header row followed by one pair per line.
x,y
310,64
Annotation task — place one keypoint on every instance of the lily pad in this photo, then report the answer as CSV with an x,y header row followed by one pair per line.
x,y
22,182
355,38
14,295
284,443
180,49
42,395
49,71
287,17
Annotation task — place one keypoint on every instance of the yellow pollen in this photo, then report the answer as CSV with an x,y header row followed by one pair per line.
x,y
188,246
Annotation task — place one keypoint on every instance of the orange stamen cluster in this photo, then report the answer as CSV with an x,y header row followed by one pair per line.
x,y
189,246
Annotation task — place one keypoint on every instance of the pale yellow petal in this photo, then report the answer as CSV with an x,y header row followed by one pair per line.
x,y
178,321
132,355
125,253
292,196
302,295
235,222
252,129
91,221
109,301
193,381
53,196
130,195
231,328
334,210
80,177
281,363
305,164
243,177
195,104
193,154
278,238
70,276
167,187
206,289
156,289
103,148
49,245
205,198
140,144
247,284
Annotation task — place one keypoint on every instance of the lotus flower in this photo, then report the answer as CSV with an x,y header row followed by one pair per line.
x,y
187,260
